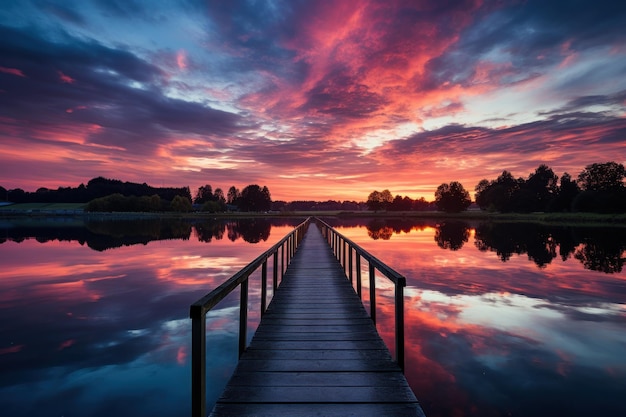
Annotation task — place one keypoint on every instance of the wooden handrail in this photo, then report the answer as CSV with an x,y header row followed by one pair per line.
x,y
338,243
199,309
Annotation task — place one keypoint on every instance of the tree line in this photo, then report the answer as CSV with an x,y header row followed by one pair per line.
x,y
599,188
103,194
384,200
96,188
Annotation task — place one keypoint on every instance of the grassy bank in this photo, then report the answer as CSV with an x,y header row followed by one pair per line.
x,y
619,219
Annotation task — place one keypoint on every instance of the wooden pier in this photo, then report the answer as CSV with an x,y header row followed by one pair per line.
x,y
316,351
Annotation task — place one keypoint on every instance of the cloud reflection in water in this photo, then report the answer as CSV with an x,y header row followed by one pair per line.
x,y
491,337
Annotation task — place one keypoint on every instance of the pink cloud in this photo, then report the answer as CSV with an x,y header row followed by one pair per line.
x,y
12,349
181,59
181,355
65,78
12,71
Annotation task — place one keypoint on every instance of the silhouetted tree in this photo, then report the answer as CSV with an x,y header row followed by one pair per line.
x,y
255,198
452,198
233,196
603,189
218,196
481,194
498,195
400,203
204,194
541,188
379,200
608,177
422,205
566,193
181,204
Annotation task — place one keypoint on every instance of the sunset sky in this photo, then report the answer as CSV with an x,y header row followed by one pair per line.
x,y
315,99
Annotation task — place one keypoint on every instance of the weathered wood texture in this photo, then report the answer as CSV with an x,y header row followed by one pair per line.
x,y
316,352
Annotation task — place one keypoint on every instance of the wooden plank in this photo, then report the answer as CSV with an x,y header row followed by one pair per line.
x,y
316,354
317,365
334,379
316,344
316,351
326,410
317,394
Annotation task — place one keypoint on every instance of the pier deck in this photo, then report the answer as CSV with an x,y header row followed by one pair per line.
x,y
316,352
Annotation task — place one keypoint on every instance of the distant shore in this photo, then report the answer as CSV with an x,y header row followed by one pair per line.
x,y
76,210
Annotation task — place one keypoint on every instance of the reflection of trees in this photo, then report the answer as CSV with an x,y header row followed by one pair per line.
x,y
116,233
383,233
250,230
593,247
517,238
603,252
498,238
102,234
99,235
452,235
385,228
208,230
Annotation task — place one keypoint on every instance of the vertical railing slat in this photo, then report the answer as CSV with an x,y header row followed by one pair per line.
x,y
275,272
372,293
263,287
350,265
358,274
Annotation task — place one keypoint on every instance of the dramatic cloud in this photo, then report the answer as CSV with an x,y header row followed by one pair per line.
x,y
316,99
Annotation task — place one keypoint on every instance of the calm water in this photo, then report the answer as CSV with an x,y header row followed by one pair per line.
x,y
517,320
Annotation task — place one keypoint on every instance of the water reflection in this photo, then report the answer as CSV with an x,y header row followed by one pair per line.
x,y
531,331
452,234
500,319
598,249
90,331
106,234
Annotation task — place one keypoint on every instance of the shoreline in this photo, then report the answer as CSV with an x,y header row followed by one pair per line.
x,y
575,219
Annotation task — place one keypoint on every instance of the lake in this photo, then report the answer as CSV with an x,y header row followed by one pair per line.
x,y
500,319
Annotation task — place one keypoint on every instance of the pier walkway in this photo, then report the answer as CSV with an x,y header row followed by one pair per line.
x,y
316,351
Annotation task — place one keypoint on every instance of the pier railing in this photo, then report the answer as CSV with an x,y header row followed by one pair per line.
x,y
349,254
286,248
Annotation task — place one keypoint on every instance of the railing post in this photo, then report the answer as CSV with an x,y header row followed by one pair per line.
x,y
358,274
275,271
373,293
400,323
287,252
282,260
198,365
344,256
350,263
243,316
263,287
